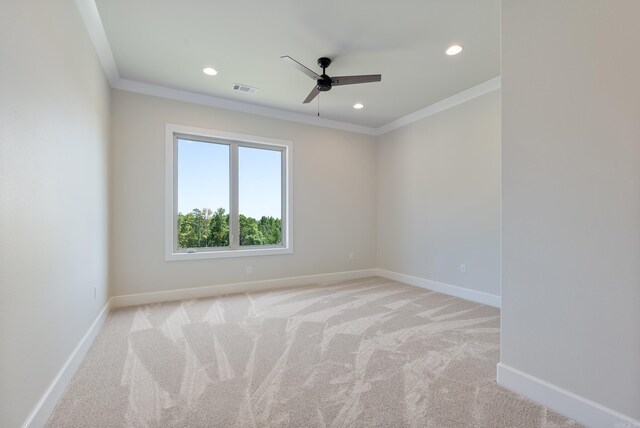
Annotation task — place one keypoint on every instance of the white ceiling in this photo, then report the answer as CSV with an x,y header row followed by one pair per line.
x,y
167,43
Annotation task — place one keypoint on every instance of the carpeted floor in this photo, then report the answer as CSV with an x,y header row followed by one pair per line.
x,y
362,353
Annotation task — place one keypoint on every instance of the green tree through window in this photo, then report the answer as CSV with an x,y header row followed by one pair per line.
x,y
205,228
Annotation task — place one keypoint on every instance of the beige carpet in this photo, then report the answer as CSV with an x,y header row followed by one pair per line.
x,y
361,353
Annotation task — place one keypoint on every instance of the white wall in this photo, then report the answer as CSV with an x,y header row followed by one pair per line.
x,y
439,196
53,196
571,196
334,200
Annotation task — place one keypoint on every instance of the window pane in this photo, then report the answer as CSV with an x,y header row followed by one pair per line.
x,y
203,194
260,196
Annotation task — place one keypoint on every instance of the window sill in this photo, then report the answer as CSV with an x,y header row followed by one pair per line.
x,y
223,254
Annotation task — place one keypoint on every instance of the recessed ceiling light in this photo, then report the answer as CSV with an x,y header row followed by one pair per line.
x,y
358,106
210,71
454,50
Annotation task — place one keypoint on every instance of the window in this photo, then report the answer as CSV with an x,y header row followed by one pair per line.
x,y
227,195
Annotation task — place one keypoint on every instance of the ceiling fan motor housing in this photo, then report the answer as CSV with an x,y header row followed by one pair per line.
x,y
324,84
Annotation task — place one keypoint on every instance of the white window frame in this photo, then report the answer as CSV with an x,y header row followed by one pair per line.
x,y
172,132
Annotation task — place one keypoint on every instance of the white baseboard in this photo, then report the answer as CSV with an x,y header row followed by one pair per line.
x,y
441,287
43,409
239,287
562,401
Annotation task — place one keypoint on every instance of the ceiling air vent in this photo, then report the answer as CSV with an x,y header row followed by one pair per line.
x,y
244,88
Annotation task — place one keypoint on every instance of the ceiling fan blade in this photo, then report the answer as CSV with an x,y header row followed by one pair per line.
x,y
301,67
314,93
351,80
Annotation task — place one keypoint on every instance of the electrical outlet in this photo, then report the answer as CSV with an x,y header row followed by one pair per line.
x,y
248,270
463,268
352,256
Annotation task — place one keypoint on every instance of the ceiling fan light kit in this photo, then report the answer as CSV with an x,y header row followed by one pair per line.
x,y
324,82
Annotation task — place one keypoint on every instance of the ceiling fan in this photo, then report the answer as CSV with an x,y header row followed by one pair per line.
x,y
324,82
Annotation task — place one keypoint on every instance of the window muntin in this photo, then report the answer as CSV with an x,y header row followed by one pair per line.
x,y
249,175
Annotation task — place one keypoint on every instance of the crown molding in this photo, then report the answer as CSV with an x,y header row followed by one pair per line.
x,y
93,23
211,101
447,103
